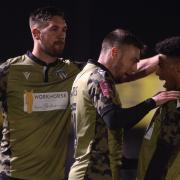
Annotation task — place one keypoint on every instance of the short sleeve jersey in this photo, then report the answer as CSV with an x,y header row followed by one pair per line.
x,y
36,111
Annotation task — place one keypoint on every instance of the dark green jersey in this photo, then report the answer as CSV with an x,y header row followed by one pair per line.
x,y
36,112
93,93
165,126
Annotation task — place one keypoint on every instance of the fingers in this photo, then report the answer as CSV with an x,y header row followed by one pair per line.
x,y
169,94
166,96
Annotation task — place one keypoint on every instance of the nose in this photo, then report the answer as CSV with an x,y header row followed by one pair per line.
x,y
61,34
134,67
157,72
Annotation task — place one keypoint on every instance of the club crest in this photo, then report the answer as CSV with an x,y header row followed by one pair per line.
x,y
61,73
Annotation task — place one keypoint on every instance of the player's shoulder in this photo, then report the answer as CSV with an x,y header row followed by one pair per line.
x,y
4,66
72,63
99,74
17,59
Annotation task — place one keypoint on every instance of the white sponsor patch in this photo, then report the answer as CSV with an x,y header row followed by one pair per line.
x,y
45,101
149,132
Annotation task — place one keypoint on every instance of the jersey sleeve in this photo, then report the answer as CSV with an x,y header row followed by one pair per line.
x,y
4,68
101,91
170,130
3,83
103,96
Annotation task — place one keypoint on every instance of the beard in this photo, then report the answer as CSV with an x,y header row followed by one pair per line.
x,y
53,53
55,50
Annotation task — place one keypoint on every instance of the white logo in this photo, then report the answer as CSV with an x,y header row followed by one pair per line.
x,y
34,102
26,74
61,73
149,132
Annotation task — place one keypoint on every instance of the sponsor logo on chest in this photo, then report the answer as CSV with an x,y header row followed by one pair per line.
x,y
45,101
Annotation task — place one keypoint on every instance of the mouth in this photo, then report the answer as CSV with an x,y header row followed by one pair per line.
x,y
164,84
60,42
128,74
161,79
62,38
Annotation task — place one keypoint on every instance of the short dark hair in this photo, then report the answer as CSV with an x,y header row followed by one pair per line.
x,y
169,47
44,14
120,37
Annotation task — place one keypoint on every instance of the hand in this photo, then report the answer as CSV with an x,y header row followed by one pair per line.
x,y
165,96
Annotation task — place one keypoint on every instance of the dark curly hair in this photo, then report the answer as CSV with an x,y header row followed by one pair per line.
x,y
169,47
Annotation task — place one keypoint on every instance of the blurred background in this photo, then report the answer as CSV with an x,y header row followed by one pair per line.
x,y
88,22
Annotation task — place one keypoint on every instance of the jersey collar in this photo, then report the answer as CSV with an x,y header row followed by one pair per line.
x,y
39,61
100,65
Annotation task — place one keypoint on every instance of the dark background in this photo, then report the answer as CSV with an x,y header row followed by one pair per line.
x,y
88,22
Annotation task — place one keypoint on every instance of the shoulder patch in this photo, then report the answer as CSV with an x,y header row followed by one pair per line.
x,y
105,88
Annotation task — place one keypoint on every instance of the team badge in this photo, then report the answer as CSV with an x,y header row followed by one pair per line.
x,y
61,73
105,88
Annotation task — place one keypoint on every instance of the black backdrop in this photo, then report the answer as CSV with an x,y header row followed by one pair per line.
x,y
88,22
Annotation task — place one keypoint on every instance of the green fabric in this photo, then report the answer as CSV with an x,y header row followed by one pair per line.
x,y
93,139
38,133
166,127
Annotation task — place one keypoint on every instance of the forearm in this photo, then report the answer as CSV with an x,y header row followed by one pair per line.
x,y
148,64
144,68
127,117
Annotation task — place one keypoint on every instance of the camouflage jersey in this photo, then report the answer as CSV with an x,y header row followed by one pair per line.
x,y
97,148
35,105
165,126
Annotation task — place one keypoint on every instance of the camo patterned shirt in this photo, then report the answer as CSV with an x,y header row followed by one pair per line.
x,y
164,127
93,94
170,128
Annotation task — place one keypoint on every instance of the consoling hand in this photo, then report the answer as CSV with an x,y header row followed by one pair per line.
x,y
165,96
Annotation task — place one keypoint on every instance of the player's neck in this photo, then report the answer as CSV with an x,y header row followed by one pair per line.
x,y
44,57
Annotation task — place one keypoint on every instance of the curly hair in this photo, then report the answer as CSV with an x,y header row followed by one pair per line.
x,y
169,47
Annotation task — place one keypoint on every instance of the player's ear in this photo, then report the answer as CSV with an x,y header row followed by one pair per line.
x,y
114,51
35,33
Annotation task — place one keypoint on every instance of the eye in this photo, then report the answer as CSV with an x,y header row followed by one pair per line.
x,y
135,60
65,29
54,29
160,64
